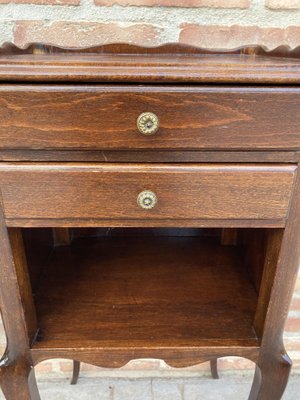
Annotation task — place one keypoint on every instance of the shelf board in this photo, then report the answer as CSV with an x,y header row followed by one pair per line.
x,y
145,293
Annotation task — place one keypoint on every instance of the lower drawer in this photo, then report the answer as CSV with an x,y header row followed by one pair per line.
x,y
133,192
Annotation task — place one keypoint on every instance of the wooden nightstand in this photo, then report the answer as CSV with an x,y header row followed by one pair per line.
x,y
150,208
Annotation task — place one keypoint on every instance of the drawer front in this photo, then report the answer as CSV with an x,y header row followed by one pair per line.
x,y
111,192
105,117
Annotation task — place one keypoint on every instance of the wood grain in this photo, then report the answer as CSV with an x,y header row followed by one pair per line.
x,y
118,357
42,117
25,288
145,222
254,243
150,156
16,373
172,63
123,292
274,365
274,239
109,191
72,116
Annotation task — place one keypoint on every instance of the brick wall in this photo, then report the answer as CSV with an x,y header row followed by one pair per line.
x,y
207,23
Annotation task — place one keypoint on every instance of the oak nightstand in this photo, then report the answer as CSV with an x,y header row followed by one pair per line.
x,y
150,208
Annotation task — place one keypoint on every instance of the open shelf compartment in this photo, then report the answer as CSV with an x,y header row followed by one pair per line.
x,y
143,291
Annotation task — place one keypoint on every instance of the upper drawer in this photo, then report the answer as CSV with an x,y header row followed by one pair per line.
x,y
105,117
147,195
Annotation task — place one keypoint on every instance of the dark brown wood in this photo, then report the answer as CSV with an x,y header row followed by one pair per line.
x,y
38,243
150,156
274,364
254,243
224,161
229,237
76,372
128,295
270,260
16,374
118,357
150,223
168,49
18,382
61,236
17,246
214,368
109,192
191,117
175,63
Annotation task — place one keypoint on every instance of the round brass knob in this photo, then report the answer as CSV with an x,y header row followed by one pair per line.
x,y
147,199
148,123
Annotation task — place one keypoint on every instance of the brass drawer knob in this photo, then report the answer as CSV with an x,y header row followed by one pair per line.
x,y
147,199
148,123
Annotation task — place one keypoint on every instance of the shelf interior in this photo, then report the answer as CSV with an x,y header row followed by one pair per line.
x,y
139,291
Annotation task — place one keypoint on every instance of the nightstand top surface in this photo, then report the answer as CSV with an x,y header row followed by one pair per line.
x,y
167,64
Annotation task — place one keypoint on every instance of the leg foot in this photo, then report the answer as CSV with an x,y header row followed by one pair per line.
x,y
18,382
256,384
76,371
270,379
214,368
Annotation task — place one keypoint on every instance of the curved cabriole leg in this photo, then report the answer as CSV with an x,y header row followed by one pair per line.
x,y
256,384
76,371
17,378
18,382
271,377
214,368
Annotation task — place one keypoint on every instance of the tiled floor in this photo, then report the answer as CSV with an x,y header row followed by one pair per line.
x,y
227,388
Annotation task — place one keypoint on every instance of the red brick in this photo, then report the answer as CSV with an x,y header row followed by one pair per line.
x,y
84,34
203,367
66,366
178,3
89,367
235,363
48,2
292,325
283,4
235,36
292,344
44,367
224,363
295,305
